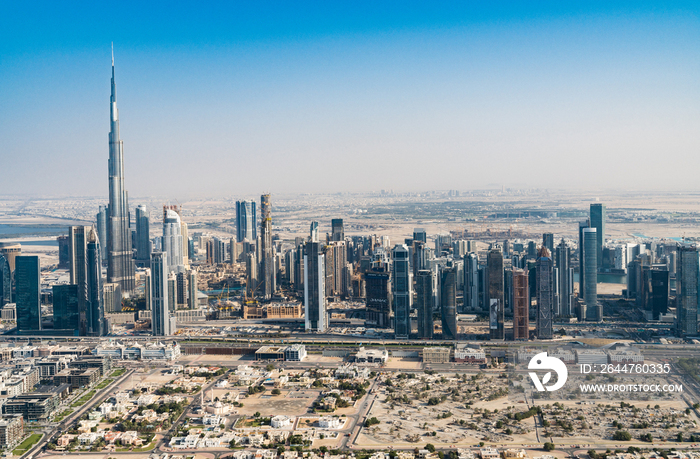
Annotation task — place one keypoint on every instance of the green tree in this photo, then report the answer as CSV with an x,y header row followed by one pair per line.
x,y
430,447
548,446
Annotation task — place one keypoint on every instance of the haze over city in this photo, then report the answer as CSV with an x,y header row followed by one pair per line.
x,y
225,98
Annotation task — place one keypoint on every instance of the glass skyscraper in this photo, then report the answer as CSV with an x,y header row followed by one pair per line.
x,y
28,293
66,315
143,239
315,316
448,302
160,313
246,221
597,215
402,283
687,289
590,268
424,303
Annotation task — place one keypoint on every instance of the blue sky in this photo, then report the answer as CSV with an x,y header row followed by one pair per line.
x,y
238,98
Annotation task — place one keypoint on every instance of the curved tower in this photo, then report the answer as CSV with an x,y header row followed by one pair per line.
x,y
120,263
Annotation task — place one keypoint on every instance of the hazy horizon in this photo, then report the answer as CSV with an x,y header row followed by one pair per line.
x,y
237,99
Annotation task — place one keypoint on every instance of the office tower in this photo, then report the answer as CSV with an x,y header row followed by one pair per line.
x,y
565,279
216,251
581,272
660,291
420,235
66,315
251,264
10,250
506,249
172,292
589,267
267,263
314,289
181,290
172,240
548,242
378,297
63,252
471,282
113,297
443,244
190,249
101,217
184,232
5,282
402,293
289,266
120,265
545,294
521,305
531,250
234,250
448,302
95,297
686,289
77,238
597,216
494,266
337,230
28,293
246,221
160,313
192,289
313,232
143,238
336,263
424,303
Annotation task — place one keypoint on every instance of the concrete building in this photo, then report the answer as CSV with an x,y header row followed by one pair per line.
x,y
11,430
521,305
544,267
448,302
161,317
436,354
315,315
494,268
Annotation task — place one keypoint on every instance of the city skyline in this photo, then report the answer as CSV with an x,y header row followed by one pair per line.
x,y
526,89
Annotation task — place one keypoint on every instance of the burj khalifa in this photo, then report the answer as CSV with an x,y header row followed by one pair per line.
x,y
120,263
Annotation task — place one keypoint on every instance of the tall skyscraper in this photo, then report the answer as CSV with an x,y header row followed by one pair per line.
x,y
192,290
424,303
101,217
402,291
28,293
172,240
548,242
448,302
597,216
316,318
471,282
313,232
120,263
160,313
63,252
143,238
565,279
589,267
581,272
494,267
378,293
419,235
96,325
686,288
337,230
66,315
184,232
11,250
521,305
545,294
246,221
5,281
267,262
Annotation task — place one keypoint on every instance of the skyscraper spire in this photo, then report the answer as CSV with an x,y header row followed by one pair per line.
x,y
120,265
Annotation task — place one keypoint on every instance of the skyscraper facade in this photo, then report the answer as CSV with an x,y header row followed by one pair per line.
x,y
315,318
565,279
101,218
494,267
120,263
246,221
597,215
5,281
448,302
581,272
66,316
424,303
28,293
548,241
471,282
143,238
337,230
402,291
160,313
545,294
378,293
686,288
521,305
172,240
267,265
590,269
96,325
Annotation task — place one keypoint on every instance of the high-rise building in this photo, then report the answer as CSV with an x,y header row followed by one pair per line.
x,y
101,218
120,263
66,316
402,293
143,238
160,314
419,235
589,266
494,266
313,232
316,318
521,305
337,230
192,290
113,297
5,282
424,303
597,216
545,294
172,240
63,252
246,221
11,250
660,290
565,279
471,282
267,262
96,325
448,302
548,241
28,293
686,289
182,290
581,273
251,264
336,260
184,232
378,293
